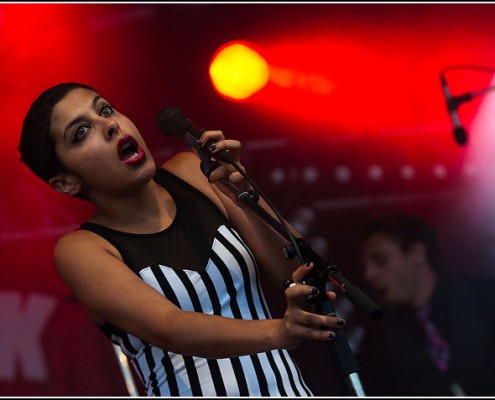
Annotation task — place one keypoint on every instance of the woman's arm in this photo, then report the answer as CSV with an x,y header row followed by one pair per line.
x,y
110,291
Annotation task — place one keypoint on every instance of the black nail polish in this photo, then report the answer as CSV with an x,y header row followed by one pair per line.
x,y
213,147
340,322
311,298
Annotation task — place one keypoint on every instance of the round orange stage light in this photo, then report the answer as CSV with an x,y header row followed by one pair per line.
x,y
237,71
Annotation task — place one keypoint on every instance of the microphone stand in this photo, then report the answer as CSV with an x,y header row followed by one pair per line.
x,y
178,124
320,275
456,101
453,103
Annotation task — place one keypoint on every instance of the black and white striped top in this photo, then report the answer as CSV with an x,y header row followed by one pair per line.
x,y
201,264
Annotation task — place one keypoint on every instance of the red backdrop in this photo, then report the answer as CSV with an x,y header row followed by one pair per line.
x,y
313,151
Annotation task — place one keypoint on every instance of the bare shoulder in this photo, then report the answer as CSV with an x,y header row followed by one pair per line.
x,y
183,163
73,248
80,240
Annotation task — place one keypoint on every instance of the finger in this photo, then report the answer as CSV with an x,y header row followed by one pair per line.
x,y
236,177
215,140
318,322
332,296
300,294
227,144
213,135
313,296
313,333
324,322
221,172
302,271
209,141
221,151
320,334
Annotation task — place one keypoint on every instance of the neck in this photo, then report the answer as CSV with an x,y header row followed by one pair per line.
x,y
426,286
146,211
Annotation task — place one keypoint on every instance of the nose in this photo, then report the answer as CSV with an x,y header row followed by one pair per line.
x,y
111,129
369,273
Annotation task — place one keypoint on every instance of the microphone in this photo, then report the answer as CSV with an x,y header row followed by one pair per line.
x,y
452,105
173,122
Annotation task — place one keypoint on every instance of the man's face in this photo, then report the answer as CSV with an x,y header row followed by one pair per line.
x,y
392,274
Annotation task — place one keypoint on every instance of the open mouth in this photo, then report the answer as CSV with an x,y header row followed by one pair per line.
x,y
129,150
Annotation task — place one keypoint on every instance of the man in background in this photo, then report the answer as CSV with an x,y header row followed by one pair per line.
x,y
437,334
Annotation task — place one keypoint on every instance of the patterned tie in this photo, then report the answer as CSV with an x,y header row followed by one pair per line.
x,y
438,346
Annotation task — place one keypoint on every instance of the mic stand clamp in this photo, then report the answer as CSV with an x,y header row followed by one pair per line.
x,y
250,196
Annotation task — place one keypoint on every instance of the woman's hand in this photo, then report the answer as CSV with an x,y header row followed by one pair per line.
x,y
300,320
225,173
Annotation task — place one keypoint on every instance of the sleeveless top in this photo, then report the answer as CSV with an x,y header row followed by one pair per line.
x,y
201,264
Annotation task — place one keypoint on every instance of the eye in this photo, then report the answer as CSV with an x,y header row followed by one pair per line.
x,y
106,110
79,133
379,259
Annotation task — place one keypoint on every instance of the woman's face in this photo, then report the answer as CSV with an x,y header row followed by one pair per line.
x,y
98,144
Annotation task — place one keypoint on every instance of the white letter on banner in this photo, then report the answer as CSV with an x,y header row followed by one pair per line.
x,y
20,335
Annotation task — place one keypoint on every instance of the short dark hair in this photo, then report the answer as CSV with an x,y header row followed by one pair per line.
x,y
36,144
406,231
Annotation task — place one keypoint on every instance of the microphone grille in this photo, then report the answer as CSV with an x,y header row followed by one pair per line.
x,y
172,121
460,135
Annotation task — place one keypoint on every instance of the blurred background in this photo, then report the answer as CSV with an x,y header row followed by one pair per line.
x,y
349,122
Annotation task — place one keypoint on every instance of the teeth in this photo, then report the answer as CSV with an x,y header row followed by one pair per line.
x,y
128,156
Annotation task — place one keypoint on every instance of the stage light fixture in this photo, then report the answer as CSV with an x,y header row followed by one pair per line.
x,y
238,71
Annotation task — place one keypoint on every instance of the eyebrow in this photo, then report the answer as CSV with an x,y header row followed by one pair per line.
x,y
79,119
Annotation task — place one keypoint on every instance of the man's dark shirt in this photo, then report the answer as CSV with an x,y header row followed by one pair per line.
x,y
393,356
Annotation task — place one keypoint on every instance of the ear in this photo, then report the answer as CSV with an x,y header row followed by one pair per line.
x,y
66,182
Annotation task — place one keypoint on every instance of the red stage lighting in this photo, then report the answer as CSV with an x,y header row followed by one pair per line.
x,y
237,71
